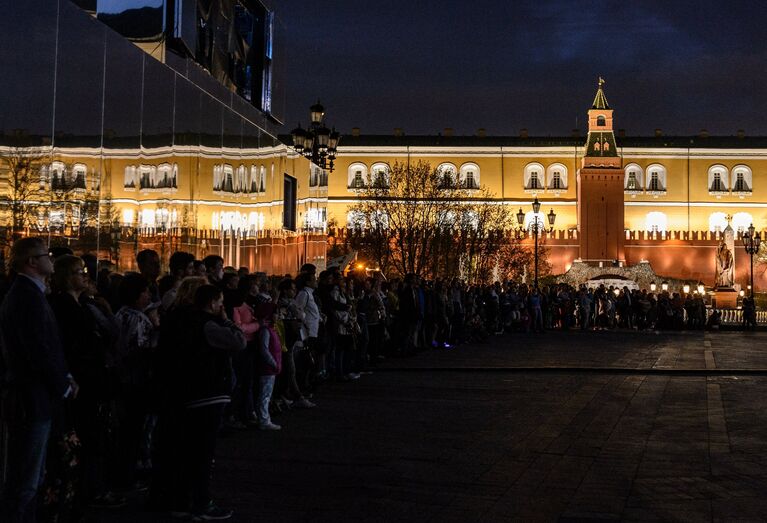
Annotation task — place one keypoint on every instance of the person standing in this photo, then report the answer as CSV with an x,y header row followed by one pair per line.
x,y
149,266
36,377
199,391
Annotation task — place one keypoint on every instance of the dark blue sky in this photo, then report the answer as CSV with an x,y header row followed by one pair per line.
x,y
509,64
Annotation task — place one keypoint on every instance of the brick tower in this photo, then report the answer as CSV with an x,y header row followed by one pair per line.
x,y
600,189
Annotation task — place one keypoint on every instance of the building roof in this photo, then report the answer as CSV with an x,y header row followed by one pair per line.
x,y
655,142
600,100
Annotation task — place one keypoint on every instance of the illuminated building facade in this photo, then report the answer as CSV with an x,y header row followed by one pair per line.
x,y
619,200
108,149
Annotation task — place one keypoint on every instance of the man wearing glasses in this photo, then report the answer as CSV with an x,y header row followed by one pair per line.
x,y
36,377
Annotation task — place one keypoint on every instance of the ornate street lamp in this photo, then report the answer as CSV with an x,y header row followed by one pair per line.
x,y
701,288
664,286
653,286
686,288
751,242
537,226
317,143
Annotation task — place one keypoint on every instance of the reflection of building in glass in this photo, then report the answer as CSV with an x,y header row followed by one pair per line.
x,y
163,176
234,40
146,150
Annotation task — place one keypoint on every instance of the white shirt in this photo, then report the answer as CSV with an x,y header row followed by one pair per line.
x,y
305,302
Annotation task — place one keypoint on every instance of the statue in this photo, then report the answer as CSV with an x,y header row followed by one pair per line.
x,y
725,259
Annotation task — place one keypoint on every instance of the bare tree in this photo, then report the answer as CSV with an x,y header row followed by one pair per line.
x,y
22,168
414,219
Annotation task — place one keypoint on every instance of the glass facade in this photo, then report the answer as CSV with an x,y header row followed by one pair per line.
x,y
107,150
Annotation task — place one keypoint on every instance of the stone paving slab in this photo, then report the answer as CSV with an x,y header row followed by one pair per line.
x,y
515,446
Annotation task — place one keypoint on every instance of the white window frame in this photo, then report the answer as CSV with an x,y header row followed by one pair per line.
x,y
724,177
463,174
447,170
639,175
748,177
662,177
530,168
383,169
355,169
550,171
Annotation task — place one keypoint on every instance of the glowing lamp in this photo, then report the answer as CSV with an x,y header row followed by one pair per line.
x,y
701,288
664,286
686,289
653,286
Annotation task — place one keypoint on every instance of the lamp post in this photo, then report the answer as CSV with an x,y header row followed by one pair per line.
x,y
317,143
537,226
751,242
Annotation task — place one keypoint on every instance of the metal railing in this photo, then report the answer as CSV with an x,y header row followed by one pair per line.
x,y
735,316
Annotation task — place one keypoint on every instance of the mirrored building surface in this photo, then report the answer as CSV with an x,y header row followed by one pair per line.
x,y
109,146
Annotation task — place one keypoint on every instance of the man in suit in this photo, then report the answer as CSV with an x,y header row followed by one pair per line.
x,y
36,377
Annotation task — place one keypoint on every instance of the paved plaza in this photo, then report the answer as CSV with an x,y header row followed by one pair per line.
x,y
570,426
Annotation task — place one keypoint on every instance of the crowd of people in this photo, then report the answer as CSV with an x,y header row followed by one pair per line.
x,y
115,383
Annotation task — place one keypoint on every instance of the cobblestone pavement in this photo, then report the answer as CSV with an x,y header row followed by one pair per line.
x,y
648,435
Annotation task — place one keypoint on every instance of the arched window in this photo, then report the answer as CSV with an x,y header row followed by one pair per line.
x,y
656,178
358,173
147,176
262,180
379,220
253,179
534,177
241,179
355,220
742,179
379,175
468,176
167,175
601,122
228,178
597,146
717,222
634,180
742,221
718,178
556,174
448,174
57,174
130,180
79,171
218,177
128,217
656,222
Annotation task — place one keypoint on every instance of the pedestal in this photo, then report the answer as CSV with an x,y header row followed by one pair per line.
x,y
726,298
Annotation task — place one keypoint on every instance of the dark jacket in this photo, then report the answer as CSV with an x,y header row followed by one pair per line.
x,y
36,374
200,346
86,344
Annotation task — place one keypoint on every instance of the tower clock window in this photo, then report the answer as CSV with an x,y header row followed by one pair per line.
x,y
601,121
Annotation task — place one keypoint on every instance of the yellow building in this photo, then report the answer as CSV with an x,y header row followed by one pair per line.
x,y
687,183
679,192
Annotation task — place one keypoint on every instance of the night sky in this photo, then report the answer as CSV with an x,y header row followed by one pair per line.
x,y
424,65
